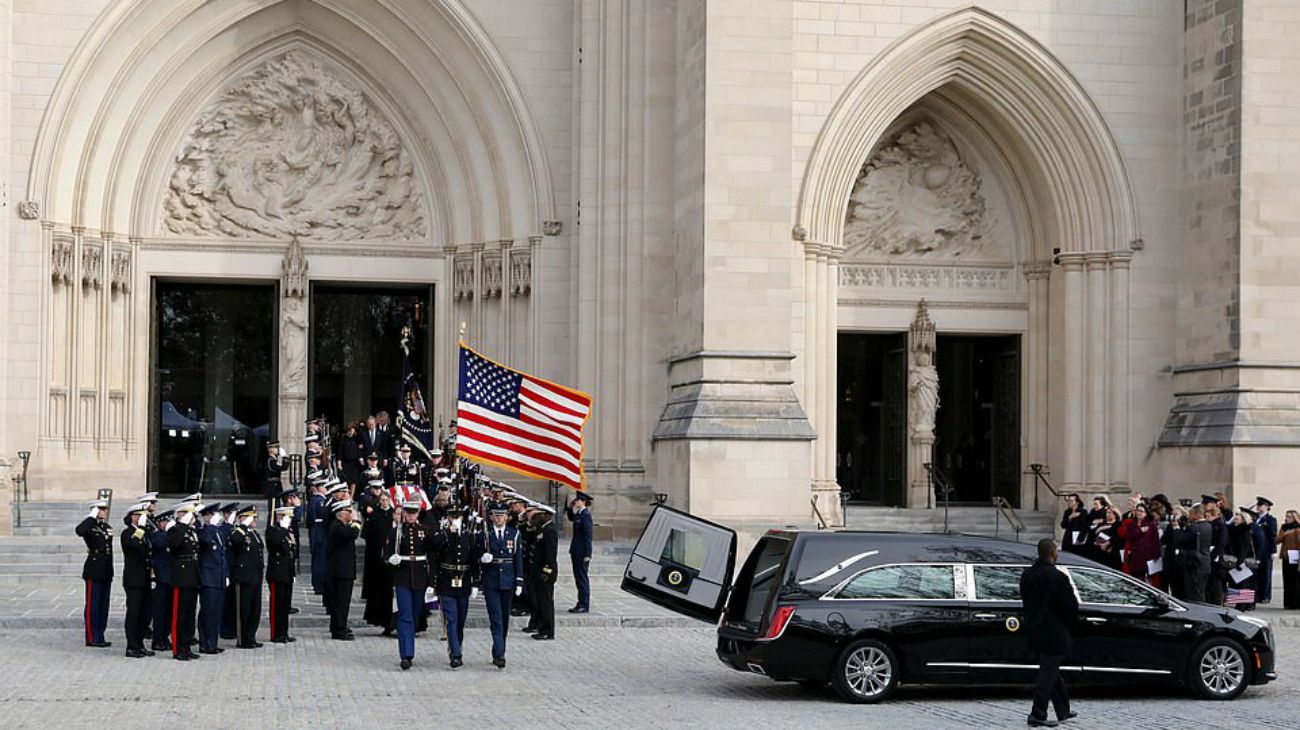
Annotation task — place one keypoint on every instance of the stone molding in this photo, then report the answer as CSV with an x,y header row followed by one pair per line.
x,y
760,407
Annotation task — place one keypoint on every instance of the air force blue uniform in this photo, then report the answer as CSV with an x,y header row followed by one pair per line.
x,y
580,553
1264,534
500,577
162,590
317,527
213,572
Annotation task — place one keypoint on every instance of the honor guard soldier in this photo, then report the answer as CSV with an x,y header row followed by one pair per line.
x,y
162,589
150,501
407,550
1263,534
519,519
457,550
184,547
281,567
214,576
276,463
229,607
341,554
137,578
542,572
97,571
372,470
317,523
292,499
334,493
247,569
403,470
503,578
579,513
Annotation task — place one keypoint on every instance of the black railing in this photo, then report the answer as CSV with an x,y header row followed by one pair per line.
x,y
1005,510
821,521
1040,472
941,487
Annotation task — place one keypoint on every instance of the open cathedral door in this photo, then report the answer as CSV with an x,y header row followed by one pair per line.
x,y
682,563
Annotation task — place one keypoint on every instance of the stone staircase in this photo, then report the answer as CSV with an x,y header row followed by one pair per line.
x,y
964,519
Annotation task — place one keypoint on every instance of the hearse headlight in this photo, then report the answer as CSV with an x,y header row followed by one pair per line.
x,y
1250,620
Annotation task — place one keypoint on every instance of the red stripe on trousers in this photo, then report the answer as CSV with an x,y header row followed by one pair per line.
x,y
90,595
176,609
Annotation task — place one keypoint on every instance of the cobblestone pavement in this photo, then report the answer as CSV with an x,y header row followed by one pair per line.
x,y
587,678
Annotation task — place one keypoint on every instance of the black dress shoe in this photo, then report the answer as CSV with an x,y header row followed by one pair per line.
x,y
529,629
161,646
101,644
456,662
518,612
342,637
406,664
135,654
1042,723
228,636
147,652
543,637
387,632
1068,716
192,655
293,610
182,657
579,609
499,662
217,650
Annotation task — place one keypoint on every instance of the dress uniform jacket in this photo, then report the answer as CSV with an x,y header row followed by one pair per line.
x,y
159,558
183,546
99,549
137,563
213,565
248,562
342,549
280,565
580,545
545,549
457,558
410,541
507,566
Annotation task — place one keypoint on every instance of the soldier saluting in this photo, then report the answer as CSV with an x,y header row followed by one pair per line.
x,y
246,572
281,567
97,571
341,554
183,547
137,578
457,550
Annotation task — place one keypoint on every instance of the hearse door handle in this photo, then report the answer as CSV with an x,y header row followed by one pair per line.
x,y
986,616
1095,620
637,578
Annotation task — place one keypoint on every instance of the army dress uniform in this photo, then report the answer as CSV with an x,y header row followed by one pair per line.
x,y
341,555
137,579
162,588
281,568
97,572
184,548
214,574
457,549
407,550
247,569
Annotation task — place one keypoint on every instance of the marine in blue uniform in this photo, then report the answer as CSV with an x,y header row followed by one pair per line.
x,y
214,574
579,513
276,464
292,499
407,550
281,567
150,501
97,571
184,546
1264,535
137,578
162,589
247,570
503,577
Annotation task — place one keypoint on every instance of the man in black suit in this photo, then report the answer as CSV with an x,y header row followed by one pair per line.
x,y
1051,609
341,554
375,441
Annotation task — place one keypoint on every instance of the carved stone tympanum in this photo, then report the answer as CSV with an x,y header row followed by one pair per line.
x,y
292,148
916,197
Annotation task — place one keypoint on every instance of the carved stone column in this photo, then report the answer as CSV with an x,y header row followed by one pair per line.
x,y
922,404
1036,390
1095,383
293,348
1072,373
819,397
1118,426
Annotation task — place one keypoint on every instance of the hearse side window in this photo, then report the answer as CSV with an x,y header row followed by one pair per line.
x,y
684,548
909,582
1096,586
998,582
757,581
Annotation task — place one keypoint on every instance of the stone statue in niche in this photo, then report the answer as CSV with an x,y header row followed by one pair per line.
x,y
290,149
293,343
923,376
917,198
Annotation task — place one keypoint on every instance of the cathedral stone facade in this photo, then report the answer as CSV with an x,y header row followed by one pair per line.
x,y
800,252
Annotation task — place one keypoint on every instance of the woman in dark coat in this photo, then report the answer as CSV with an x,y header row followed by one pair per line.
x,y
1105,541
1075,522
377,583
349,457
1241,548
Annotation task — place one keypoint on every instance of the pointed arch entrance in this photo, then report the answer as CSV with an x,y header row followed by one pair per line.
x,y
1016,115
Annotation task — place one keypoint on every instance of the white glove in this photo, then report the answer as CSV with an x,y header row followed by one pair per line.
x,y
473,593
227,582
487,558
394,560
519,590
94,512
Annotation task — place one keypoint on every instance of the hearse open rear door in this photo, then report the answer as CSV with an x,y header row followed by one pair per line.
x,y
683,563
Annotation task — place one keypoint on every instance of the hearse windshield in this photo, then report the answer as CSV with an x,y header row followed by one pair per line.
x,y
754,585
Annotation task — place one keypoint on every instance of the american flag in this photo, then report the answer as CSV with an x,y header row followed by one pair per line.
x,y
1239,596
403,492
516,421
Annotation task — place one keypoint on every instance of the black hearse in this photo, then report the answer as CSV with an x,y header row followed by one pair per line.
x,y
866,611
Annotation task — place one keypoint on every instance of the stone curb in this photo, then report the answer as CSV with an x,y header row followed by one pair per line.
x,y
474,622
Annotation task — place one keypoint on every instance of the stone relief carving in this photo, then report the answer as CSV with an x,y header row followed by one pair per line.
x,y
915,198
120,271
61,261
293,270
292,149
521,273
293,344
552,228
491,276
975,279
29,210
92,258
463,278
923,377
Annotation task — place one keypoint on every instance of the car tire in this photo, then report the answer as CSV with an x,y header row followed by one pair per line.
x,y
1219,669
866,671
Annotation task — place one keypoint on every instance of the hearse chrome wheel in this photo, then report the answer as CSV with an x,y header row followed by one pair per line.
x,y
1219,672
867,672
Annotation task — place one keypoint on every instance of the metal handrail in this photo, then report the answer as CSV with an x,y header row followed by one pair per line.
x,y
1006,510
822,523
1040,471
939,481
